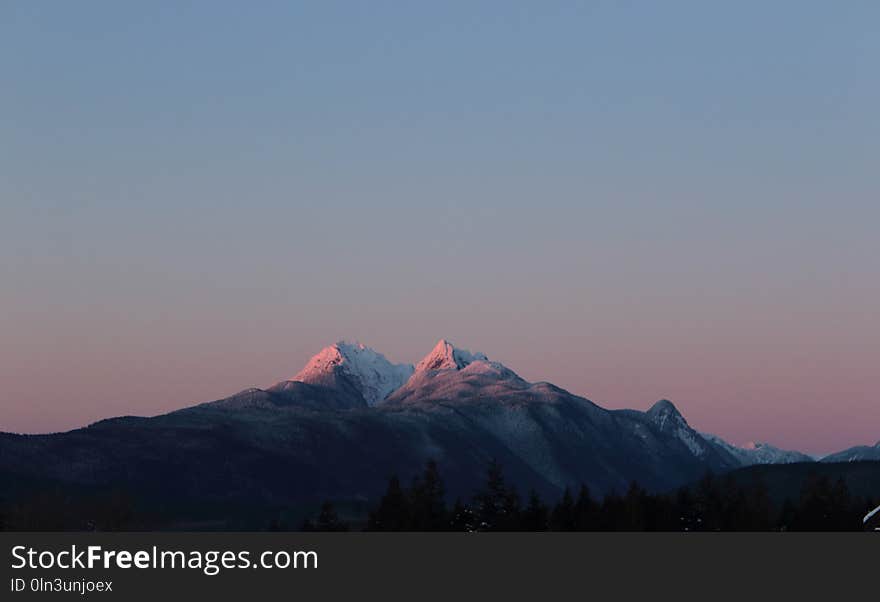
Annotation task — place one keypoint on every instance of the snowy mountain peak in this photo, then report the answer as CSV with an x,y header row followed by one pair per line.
x,y
446,356
757,452
663,411
368,370
669,420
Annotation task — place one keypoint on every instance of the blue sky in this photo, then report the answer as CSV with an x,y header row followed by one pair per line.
x,y
633,200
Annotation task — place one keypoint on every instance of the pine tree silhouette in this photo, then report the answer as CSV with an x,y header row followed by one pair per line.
x,y
815,508
841,507
461,518
684,512
393,513
496,507
635,517
563,517
709,504
536,515
760,507
428,504
586,511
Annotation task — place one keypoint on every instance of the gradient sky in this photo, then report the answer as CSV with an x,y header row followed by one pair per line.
x,y
633,200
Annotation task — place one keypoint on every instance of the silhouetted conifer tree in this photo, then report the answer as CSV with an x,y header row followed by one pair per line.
x,y
841,508
815,507
428,505
461,518
614,516
536,515
496,507
563,517
586,511
734,513
787,520
393,512
635,515
760,508
512,517
709,504
685,511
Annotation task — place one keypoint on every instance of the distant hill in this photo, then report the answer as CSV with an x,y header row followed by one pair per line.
x,y
788,480
855,454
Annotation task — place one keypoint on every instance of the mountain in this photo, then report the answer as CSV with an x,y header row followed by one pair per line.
x,y
669,420
449,374
345,423
445,356
360,372
855,454
759,453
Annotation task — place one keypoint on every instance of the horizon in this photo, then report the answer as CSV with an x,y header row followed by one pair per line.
x,y
413,364
631,202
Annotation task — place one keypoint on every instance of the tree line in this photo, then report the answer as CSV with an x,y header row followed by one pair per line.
x,y
712,504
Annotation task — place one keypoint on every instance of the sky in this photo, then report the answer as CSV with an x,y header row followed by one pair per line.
x,y
632,200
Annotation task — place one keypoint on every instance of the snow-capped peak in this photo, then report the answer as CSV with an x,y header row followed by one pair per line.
x,y
757,452
370,372
446,356
665,413
669,420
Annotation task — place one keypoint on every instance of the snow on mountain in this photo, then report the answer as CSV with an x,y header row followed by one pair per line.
x,y
351,416
352,374
855,454
669,420
449,373
371,374
445,356
758,453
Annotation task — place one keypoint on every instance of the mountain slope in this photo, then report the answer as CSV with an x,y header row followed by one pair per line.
x,y
670,421
855,454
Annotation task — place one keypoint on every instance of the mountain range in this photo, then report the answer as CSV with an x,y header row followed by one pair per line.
x,y
351,418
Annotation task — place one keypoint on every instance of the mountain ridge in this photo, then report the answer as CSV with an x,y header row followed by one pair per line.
x,y
355,367
351,421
